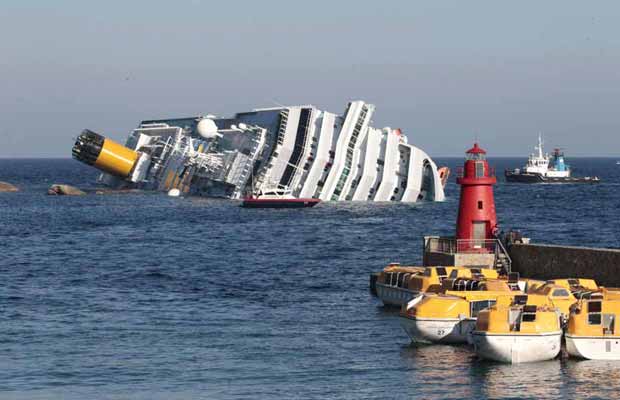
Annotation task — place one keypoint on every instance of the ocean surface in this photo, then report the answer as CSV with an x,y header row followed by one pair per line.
x,y
143,296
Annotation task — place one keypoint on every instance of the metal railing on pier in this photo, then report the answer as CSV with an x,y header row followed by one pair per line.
x,y
452,245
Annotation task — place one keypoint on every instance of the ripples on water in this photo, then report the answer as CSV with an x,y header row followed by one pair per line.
x,y
146,296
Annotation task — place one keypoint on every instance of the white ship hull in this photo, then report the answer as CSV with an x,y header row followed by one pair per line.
x,y
438,330
393,295
317,154
593,348
517,348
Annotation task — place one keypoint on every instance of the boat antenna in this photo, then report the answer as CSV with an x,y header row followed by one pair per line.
x,y
540,145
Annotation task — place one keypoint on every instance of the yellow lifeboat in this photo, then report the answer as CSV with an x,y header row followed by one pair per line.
x,y
576,284
554,295
397,285
518,333
593,331
449,317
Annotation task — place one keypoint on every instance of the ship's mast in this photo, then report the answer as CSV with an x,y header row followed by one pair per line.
x,y
540,143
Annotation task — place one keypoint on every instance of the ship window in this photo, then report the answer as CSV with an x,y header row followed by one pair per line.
x,y
480,205
560,293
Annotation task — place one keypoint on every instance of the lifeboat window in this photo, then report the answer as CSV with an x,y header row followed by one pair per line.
x,y
406,279
454,274
480,205
528,314
428,272
594,306
442,271
399,280
594,319
475,270
573,282
477,306
560,293
528,317
520,300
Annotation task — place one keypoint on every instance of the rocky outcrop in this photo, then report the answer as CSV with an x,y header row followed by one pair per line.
x,y
7,187
64,190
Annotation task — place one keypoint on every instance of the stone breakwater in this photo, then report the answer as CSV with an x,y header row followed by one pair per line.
x,y
539,261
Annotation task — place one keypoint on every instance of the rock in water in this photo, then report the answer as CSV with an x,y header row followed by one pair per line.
x,y
7,187
64,190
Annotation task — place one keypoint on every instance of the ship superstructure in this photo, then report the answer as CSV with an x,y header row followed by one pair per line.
x,y
314,153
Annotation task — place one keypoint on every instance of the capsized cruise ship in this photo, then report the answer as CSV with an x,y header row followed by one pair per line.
x,y
313,153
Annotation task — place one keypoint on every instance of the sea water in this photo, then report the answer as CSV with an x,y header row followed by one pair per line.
x,y
150,297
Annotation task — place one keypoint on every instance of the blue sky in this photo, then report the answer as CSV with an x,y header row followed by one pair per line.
x,y
446,72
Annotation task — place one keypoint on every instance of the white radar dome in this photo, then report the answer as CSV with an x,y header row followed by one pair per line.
x,y
206,128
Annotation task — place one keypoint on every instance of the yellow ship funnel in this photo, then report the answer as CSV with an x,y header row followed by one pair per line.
x,y
104,154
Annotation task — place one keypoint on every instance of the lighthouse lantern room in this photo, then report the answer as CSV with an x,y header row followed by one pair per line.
x,y
476,220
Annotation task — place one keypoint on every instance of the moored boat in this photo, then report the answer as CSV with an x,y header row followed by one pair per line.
x,y
449,317
277,197
593,331
396,287
518,333
550,294
545,168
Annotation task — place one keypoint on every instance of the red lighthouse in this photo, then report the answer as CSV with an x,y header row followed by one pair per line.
x,y
476,218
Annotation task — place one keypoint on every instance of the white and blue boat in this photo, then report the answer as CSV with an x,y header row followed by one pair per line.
x,y
545,168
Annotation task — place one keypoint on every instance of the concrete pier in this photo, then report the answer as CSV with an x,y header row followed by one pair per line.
x,y
539,261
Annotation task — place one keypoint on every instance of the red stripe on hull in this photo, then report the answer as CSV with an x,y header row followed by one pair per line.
x,y
279,203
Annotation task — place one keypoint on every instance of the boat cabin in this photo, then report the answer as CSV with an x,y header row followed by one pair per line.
x,y
551,295
518,319
596,316
430,279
